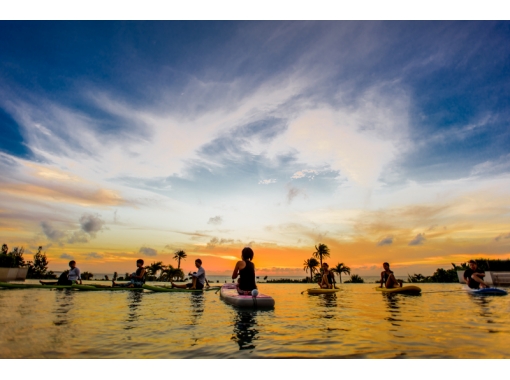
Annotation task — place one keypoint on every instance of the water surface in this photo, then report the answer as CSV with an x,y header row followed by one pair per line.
x,y
356,322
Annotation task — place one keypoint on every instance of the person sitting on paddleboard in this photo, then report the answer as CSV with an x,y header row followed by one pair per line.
x,y
388,278
136,279
72,277
245,269
474,276
198,278
328,280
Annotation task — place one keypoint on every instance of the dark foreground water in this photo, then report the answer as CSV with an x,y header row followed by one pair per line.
x,y
357,322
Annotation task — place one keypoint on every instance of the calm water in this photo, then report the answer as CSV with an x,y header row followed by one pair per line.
x,y
357,322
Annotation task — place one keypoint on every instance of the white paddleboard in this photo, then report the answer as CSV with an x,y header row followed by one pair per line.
x,y
229,294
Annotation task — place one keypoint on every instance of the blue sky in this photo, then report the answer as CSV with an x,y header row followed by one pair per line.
x,y
286,132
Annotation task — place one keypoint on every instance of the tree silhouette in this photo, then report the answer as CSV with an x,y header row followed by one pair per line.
x,y
154,268
170,273
321,251
178,256
310,265
341,268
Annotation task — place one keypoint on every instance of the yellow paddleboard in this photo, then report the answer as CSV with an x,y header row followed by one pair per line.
x,y
321,291
410,289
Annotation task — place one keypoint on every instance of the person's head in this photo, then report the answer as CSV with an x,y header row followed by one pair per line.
x,y
139,263
472,264
198,263
325,266
247,254
72,264
386,266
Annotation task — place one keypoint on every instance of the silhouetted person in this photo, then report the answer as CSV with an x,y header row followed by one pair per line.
x,y
388,278
474,276
245,269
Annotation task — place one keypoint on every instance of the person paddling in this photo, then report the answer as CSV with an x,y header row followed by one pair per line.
x,y
246,270
474,276
327,280
198,278
388,278
136,279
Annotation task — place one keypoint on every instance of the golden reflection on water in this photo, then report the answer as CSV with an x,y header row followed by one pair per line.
x,y
358,322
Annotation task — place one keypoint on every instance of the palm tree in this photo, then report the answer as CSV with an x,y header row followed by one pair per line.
x,y
310,264
170,273
154,268
321,251
178,256
341,268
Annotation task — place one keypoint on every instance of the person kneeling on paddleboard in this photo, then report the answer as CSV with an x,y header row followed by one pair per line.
x,y
198,278
136,279
474,276
388,278
328,279
246,270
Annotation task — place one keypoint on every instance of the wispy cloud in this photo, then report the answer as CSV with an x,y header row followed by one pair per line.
x,y
217,220
502,236
147,251
418,240
94,255
386,241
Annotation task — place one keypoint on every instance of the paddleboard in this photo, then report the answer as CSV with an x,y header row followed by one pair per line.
x,y
229,294
174,290
410,289
107,288
321,291
39,286
486,291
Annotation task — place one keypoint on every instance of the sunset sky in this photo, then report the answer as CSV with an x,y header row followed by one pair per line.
x,y
387,141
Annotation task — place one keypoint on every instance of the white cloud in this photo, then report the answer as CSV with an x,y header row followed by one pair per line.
x,y
267,181
217,220
310,173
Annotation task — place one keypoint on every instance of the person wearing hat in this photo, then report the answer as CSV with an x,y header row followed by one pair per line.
x,y
474,276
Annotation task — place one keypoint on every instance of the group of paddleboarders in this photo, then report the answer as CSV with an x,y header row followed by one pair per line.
x,y
244,271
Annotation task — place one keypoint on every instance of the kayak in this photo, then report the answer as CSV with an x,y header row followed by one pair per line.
x,y
229,294
410,289
486,291
10,285
321,291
